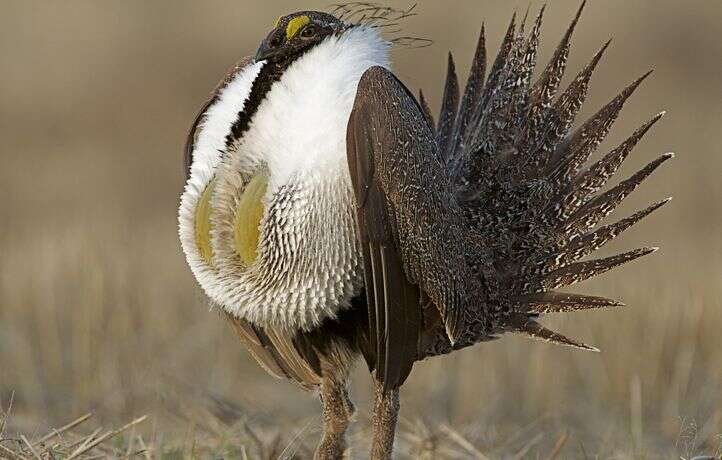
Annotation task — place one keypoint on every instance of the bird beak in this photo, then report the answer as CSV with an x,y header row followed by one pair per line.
x,y
264,51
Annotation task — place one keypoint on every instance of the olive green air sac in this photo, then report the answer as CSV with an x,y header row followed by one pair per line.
x,y
248,219
203,224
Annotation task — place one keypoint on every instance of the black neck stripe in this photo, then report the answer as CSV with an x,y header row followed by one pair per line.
x,y
269,74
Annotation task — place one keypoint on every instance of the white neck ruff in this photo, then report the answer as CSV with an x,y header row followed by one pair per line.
x,y
308,265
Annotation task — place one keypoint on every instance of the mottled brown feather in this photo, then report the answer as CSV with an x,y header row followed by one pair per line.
x,y
393,301
409,229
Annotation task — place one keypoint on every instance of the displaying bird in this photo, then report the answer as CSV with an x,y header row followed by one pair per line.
x,y
330,217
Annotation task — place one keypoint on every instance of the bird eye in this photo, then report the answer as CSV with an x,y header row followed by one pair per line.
x,y
309,31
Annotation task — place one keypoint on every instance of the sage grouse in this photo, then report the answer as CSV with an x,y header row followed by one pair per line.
x,y
329,216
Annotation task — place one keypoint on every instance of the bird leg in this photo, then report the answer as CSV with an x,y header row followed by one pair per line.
x,y
337,413
386,413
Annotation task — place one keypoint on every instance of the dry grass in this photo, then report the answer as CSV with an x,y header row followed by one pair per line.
x,y
212,436
99,313
65,443
224,430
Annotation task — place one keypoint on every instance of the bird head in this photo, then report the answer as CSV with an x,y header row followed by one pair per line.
x,y
295,33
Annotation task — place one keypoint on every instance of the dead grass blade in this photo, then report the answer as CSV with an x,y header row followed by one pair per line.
x,y
64,428
10,453
6,414
89,445
464,443
558,446
525,450
144,448
293,445
30,447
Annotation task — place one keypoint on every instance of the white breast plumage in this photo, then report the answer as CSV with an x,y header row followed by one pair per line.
x,y
308,263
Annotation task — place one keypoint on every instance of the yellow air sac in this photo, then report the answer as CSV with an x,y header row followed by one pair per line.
x,y
246,228
203,224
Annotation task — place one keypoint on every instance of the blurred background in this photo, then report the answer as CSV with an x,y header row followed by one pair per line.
x,y
99,312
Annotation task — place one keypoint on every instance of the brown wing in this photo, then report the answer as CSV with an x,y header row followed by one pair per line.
x,y
389,143
192,132
276,353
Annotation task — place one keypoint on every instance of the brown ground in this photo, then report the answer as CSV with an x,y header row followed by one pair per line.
x,y
98,311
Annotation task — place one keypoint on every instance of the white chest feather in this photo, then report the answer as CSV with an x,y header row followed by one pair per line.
x,y
308,265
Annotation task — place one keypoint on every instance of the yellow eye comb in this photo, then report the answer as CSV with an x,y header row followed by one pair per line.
x,y
296,24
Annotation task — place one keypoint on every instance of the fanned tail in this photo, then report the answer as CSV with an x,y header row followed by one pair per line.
x,y
533,330
520,176
449,105
561,302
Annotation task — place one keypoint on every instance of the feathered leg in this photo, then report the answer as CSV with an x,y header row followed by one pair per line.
x,y
386,413
337,413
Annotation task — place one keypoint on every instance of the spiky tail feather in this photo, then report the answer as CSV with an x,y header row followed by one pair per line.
x,y
519,175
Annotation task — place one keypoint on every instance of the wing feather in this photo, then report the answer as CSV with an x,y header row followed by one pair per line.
x,y
394,311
